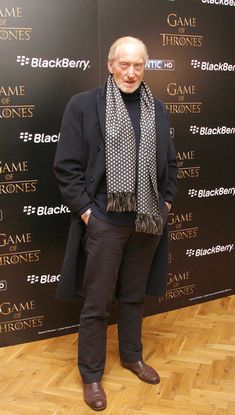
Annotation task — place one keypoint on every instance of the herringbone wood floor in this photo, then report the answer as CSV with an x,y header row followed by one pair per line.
x,y
193,349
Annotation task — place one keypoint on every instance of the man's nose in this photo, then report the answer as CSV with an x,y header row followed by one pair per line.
x,y
131,72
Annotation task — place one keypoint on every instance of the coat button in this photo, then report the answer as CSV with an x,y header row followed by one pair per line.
x,y
98,148
92,179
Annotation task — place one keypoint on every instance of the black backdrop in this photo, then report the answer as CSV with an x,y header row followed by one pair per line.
x,y
53,49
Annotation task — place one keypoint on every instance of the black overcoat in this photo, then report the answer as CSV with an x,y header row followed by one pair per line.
x,y
79,167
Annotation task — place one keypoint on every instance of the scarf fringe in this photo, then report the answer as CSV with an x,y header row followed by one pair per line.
x,y
149,223
121,202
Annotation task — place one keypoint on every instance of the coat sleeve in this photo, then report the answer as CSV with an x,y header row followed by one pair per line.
x,y
69,161
172,183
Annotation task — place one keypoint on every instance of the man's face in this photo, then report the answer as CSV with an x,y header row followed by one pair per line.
x,y
127,67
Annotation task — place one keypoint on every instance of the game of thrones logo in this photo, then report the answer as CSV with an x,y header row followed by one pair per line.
x,y
178,285
183,94
11,181
16,249
9,109
185,172
10,18
182,26
182,226
16,316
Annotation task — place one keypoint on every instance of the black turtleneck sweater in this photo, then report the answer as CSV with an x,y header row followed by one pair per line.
x,y
99,205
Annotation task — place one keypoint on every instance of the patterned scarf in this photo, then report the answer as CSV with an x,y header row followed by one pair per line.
x,y
132,184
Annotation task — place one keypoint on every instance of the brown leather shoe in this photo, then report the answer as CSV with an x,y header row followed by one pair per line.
x,y
143,371
94,396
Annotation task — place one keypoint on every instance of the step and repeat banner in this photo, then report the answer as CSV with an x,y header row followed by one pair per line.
x,y
53,49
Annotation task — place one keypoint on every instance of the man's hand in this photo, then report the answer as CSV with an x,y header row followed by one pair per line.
x,y
168,204
86,215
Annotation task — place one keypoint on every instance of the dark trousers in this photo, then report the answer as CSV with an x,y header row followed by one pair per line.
x,y
117,256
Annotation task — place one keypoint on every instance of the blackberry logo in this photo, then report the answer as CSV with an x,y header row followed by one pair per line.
x,y
195,63
209,251
192,192
194,129
53,63
219,2
32,279
45,210
39,138
219,191
208,66
26,137
22,60
43,279
190,252
29,210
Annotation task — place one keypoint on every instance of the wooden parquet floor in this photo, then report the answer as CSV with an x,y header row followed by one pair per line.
x,y
192,348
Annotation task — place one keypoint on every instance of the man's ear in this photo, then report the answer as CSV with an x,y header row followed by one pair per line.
x,y
110,66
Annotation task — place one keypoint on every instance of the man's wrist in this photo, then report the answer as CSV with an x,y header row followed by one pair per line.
x,y
86,214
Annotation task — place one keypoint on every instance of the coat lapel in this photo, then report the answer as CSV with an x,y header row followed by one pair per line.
x,y
100,100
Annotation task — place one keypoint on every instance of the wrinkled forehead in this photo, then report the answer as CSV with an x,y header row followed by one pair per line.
x,y
130,51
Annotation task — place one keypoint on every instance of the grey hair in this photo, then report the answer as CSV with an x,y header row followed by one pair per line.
x,y
124,39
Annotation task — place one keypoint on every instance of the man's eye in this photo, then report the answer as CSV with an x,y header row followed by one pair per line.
x,y
124,65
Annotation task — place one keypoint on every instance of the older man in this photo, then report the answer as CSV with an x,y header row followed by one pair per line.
x,y
116,168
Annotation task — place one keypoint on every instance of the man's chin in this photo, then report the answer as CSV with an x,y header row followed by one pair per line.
x,y
128,89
